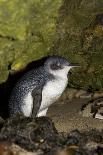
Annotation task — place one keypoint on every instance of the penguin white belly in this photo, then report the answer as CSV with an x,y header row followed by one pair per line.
x,y
51,92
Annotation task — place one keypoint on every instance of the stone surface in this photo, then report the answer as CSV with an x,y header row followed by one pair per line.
x,y
79,93
93,108
98,94
69,94
27,136
26,33
67,116
32,29
35,135
79,36
7,148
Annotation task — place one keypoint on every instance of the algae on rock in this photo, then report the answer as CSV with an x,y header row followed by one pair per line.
x,y
26,32
79,36
32,29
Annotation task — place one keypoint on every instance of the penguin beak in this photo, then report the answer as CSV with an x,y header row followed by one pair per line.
x,y
74,65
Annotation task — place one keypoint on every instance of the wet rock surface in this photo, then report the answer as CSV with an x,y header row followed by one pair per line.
x,y
93,108
39,137
67,116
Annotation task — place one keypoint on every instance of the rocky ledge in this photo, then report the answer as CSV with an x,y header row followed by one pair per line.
x,y
27,136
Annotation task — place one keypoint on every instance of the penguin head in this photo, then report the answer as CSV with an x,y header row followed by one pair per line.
x,y
58,66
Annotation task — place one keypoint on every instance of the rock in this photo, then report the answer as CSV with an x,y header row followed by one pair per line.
x,y
71,93
94,108
2,121
79,37
7,148
27,136
68,95
69,150
98,94
86,112
99,116
80,93
86,95
87,142
37,134
26,34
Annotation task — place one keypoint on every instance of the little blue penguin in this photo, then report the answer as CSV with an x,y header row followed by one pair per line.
x,y
39,88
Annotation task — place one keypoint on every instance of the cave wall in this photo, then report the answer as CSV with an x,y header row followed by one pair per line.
x,y
27,28
79,37
32,29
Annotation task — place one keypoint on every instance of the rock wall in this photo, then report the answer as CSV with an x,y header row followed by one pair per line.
x,y
79,36
32,29
26,32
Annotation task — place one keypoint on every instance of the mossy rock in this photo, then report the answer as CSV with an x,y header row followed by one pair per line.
x,y
71,28
79,37
26,32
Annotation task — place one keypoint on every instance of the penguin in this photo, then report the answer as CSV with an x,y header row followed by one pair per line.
x,y
39,88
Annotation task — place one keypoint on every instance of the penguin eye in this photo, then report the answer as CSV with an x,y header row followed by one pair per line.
x,y
55,66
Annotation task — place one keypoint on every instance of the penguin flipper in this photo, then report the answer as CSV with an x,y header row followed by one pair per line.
x,y
37,98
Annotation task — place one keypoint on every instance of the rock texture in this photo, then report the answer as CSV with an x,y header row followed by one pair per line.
x,y
26,32
79,36
32,29
39,136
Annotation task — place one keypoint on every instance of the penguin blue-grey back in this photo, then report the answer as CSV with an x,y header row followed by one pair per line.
x,y
39,88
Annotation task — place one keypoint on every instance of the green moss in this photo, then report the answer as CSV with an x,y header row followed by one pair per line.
x,y
26,31
79,37
32,29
